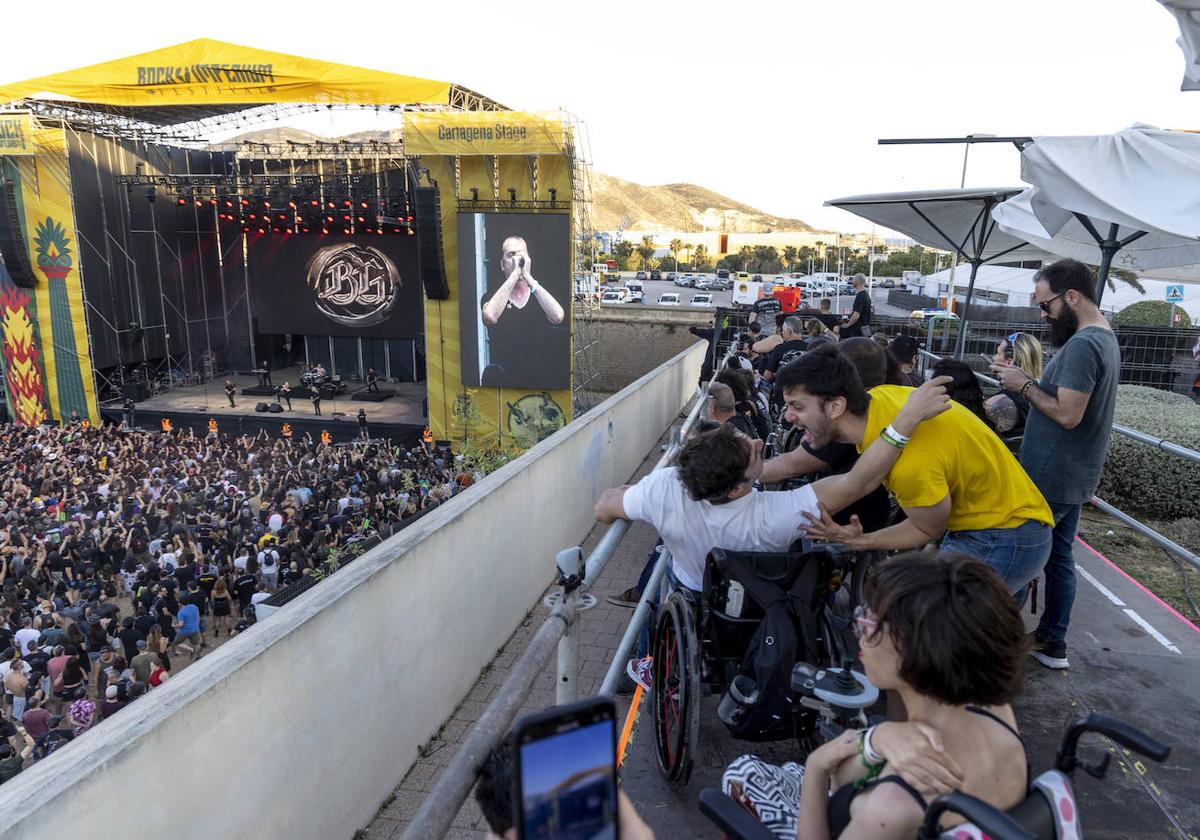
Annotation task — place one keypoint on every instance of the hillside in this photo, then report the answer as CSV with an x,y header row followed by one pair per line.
x,y
682,207
677,207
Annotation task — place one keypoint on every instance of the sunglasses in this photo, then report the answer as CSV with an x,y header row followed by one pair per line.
x,y
1044,305
863,626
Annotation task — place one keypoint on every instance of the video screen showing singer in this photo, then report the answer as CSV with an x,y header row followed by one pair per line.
x,y
520,316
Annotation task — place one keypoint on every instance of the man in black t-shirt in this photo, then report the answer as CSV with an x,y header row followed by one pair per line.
x,y
764,311
859,322
793,343
520,316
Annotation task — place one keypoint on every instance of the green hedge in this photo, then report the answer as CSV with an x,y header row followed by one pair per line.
x,y
1140,479
1151,313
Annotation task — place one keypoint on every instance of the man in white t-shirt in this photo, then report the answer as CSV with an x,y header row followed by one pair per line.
x,y
26,636
268,567
707,499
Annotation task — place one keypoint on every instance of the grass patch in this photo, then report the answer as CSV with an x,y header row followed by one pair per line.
x,y
1163,574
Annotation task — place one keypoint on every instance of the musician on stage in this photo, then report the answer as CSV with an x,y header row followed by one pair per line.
x,y
315,393
230,390
372,386
264,378
285,394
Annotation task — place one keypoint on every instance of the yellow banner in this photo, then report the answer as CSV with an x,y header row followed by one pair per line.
x,y
16,133
207,72
482,133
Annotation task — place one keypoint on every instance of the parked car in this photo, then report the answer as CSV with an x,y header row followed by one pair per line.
x,y
613,276
889,283
641,275
932,314
671,276
668,299
757,278
709,284
703,299
613,296
636,292
656,275
684,280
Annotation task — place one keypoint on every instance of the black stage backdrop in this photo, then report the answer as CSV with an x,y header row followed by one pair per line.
x,y
356,286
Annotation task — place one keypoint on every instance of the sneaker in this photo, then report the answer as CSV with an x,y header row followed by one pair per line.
x,y
639,670
1051,653
629,598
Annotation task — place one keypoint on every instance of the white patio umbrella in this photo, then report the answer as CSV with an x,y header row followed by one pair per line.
x,y
958,220
1130,196
1187,15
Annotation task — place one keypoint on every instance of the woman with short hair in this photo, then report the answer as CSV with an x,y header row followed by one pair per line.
x,y
942,631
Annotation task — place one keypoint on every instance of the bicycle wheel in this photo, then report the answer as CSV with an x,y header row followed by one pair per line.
x,y
676,695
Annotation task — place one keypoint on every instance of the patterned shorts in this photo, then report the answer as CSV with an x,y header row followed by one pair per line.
x,y
771,791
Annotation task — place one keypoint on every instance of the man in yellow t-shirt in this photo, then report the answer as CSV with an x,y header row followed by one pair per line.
x,y
956,480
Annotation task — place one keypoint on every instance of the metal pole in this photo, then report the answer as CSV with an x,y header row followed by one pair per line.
x,y
1148,532
617,667
570,568
437,812
961,342
954,260
1108,249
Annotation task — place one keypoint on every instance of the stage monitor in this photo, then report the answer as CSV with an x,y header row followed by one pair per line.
x,y
514,275
359,286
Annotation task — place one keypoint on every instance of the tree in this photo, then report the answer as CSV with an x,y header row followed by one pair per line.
x,y
790,252
1151,313
676,246
821,254
700,258
646,249
1125,276
622,251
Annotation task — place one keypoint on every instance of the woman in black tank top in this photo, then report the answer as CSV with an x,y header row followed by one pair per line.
x,y
942,631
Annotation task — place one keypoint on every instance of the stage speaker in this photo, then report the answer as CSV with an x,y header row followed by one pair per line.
x,y
274,408
428,219
12,243
136,391
260,406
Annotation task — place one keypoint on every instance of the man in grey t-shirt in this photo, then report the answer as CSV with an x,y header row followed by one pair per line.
x,y
1066,434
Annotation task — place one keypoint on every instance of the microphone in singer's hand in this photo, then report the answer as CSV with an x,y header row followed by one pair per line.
x,y
520,262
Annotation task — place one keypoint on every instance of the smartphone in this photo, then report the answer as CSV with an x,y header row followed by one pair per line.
x,y
990,360
565,772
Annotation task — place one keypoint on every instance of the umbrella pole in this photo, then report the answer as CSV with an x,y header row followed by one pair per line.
x,y
961,342
1107,252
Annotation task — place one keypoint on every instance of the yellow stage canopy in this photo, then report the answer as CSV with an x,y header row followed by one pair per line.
x,y
218,75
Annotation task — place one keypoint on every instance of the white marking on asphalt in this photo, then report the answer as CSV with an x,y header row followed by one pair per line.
x,y
1104,590
1149,628
1092,636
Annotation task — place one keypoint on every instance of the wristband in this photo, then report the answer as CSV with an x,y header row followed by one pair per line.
x,y
891,430
873,767
868,751
1025,387
533,285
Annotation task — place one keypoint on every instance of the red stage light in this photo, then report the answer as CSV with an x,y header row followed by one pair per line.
x,y
410,218
324,230
245,228
346,203
314,202
363,205
299,218
199,203
283,215
330,204
267,204
379,232
245,202
306,230
329,218
411,232
213,202
228,203
292,205
345,230
253,216
361,220
182,202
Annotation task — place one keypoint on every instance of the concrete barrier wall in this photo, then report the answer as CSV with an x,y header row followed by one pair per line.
x,y
633,340
303,725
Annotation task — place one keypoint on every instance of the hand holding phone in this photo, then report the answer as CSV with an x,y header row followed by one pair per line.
x,y
565,772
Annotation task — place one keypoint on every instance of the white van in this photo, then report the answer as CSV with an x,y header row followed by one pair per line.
x,y
668,299
635,291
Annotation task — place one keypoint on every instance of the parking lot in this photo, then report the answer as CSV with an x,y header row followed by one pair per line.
x,y
654,289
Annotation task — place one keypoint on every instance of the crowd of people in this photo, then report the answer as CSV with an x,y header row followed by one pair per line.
x,y
124,554
973,498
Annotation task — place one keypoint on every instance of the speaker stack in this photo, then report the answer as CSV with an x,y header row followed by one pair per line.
x,y
262,406
428,218
12,243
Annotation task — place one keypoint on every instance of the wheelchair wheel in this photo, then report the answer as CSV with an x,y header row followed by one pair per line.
x,y
676,669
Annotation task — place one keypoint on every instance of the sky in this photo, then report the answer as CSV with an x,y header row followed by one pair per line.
x,y
778,105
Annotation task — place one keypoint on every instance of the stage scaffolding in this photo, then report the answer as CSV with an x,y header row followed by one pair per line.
x,y
584,341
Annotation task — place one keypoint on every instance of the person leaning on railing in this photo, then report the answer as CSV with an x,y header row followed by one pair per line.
x,y
1008,409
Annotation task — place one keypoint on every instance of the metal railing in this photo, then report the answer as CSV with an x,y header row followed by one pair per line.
x,y
1162,445
558,633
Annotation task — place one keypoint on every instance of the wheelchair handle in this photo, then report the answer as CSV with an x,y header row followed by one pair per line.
x,y
990,820
1118,730
730,817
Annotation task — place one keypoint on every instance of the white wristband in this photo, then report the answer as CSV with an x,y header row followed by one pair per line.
x,y
868,752
891,430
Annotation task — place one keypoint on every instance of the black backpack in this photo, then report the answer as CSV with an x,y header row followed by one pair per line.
x,y
783,587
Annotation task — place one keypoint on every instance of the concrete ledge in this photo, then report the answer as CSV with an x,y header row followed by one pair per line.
x,y
303,725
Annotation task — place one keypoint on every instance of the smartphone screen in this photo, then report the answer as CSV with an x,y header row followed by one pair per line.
x,y
566,773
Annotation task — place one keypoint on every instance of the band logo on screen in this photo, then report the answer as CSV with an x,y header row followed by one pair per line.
x,y
353,285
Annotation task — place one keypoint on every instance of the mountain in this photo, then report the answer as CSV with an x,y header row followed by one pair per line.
x,y
670,207
682,207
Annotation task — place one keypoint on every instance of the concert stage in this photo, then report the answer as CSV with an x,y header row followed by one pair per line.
x,y
401,417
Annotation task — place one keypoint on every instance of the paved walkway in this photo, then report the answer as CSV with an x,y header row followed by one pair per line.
x,y
1131,657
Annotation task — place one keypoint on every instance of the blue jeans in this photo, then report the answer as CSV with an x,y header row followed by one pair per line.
x,y
1060,574
1017,554
671,583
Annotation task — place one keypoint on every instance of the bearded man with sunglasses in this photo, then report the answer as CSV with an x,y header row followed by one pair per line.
x,y
1067,431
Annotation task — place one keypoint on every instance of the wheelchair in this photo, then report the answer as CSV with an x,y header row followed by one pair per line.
x,y
1049,810
699,643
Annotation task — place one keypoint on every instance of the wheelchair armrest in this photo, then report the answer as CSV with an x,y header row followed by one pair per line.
x,y
730,817
1120,731
989,819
